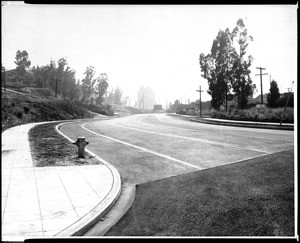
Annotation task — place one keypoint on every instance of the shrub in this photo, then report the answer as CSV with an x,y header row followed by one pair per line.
x,y
26,109
236,117
213,113
19,114
261,117
101,109
262,114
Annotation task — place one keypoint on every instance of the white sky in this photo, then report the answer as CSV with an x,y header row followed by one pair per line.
x,y
150,45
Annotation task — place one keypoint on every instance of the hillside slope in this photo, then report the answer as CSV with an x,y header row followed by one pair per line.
x,y
36,105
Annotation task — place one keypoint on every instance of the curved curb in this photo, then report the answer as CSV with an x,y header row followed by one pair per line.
x,y
118,210
250,125
236,123
87,221
83,224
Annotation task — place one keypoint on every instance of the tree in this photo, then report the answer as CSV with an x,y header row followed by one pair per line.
x,y
215,67
48,73
241,82
38,76
118,96
273,95
101,87
110,97
225,68
22,62
88,83
125,101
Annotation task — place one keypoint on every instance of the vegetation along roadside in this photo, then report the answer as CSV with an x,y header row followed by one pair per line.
x,y
49,148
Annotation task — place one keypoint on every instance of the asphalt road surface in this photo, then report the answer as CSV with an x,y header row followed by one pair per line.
x,y
148,147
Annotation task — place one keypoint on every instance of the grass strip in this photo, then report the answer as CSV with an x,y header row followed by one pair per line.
x,y
49,148
250,198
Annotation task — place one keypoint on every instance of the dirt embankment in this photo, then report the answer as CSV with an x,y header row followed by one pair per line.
x,y
36,105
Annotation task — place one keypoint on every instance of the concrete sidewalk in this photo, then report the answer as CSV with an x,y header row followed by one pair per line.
x,y
50,201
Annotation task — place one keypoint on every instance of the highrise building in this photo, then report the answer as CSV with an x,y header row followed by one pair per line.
x,y
145,99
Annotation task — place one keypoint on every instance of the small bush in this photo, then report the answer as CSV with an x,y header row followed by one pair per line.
x,y
262,114
26,109
236,117
261,117
19,114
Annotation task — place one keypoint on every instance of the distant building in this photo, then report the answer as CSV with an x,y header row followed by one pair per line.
x,y
145,99
157,108
286,94
12,78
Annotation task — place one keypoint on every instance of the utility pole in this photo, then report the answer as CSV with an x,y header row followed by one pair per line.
x,y
289,90
200,113
261,87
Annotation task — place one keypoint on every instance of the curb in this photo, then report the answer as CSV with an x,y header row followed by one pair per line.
x,y
123,204
237,124
92,217
250,125
87,221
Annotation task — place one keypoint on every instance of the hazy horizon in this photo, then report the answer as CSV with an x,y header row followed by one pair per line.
x,y
156,46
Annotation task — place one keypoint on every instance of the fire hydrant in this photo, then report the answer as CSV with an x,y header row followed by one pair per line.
x,y
81,143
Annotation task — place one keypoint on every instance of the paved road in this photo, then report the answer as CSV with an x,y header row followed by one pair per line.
x,y
148,147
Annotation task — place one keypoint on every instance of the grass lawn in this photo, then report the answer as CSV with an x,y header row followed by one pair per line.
x,y
49,148
250,198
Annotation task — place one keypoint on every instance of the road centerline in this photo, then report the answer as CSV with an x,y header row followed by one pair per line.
x,y
143,149
189,138
166,125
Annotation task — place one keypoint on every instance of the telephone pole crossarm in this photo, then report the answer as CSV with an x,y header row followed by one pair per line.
x,y
261,87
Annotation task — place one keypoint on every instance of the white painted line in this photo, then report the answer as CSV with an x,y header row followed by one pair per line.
x,y
143,149
142,118
257,156
193,139
166,126
196,128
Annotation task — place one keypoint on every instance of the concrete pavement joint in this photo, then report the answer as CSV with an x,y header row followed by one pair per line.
x,y
37,191
66,192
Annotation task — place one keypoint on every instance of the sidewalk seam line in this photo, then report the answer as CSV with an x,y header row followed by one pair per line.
x,y
66,191
37,191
